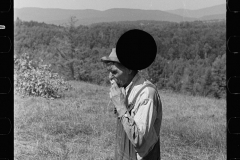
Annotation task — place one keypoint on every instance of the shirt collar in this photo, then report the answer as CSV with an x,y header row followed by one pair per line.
x,y
134,80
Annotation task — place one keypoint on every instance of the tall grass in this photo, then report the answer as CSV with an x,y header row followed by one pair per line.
x,y
80,126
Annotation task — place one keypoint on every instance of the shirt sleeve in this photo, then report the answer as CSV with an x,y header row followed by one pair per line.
x,y
140,127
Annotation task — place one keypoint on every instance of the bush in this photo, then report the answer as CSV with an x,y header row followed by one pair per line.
x,y
33,78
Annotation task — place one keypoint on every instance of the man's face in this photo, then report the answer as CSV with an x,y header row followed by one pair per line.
x,y
118,72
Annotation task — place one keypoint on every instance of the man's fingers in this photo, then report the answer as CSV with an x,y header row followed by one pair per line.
x,y
115,90
123,91
110,92
114,84
112,81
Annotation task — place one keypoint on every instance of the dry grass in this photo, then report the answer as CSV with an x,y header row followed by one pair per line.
x,y
80,126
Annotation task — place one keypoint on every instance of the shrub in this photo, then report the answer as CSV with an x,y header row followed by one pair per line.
x,y
33,78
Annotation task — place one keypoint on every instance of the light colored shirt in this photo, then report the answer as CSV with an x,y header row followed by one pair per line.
x,y
142,125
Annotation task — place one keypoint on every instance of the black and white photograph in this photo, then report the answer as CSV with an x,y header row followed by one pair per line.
x,y
120,80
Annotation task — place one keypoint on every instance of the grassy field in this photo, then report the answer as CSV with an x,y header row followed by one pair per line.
x,y
80,126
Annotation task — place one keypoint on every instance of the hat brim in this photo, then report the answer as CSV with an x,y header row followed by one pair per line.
x,y
109,59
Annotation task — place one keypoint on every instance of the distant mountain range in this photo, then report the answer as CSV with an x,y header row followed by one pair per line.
x,y
209,11
89,16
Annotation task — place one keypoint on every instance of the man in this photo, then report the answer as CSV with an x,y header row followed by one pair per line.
x,y
139,112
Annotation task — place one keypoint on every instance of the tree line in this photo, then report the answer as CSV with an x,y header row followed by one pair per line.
x,y
191,56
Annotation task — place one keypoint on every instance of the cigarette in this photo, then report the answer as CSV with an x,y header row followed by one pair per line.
x,y
111,81
108,103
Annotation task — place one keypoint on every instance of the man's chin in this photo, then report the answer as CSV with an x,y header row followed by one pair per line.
x,y
121,85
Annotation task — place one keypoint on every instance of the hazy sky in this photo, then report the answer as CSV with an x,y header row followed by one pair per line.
x,y
107,4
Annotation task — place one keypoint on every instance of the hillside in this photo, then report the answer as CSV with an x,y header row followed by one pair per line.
x,y
81,126
191,56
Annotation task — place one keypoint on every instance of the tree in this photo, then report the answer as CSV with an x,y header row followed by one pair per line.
x,y
155,71
219,76
67,50
175,75
186,81
206,49
207,83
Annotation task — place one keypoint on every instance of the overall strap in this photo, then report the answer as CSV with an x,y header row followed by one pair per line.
x,y
131,105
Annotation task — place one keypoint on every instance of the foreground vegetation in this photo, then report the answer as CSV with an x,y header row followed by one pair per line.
x,y
79,125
